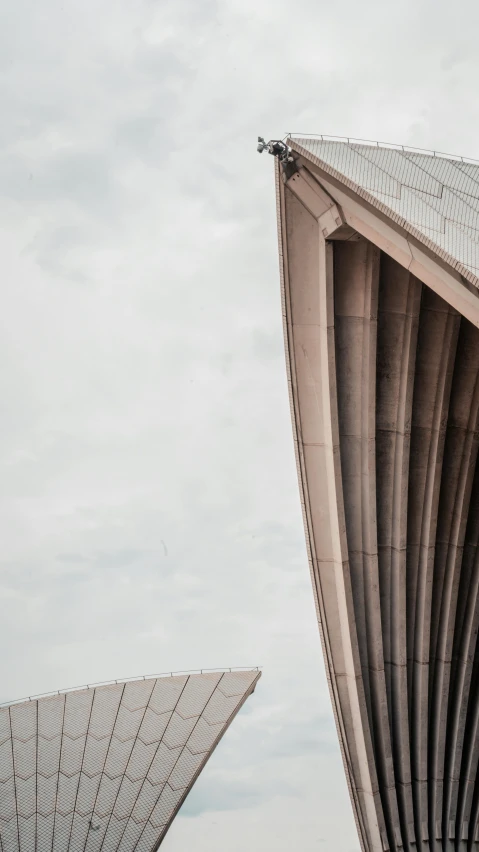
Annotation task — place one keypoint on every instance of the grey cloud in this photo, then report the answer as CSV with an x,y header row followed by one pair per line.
x,y
83,178
225,794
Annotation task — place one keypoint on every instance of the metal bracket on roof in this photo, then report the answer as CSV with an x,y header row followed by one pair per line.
x,y
277,148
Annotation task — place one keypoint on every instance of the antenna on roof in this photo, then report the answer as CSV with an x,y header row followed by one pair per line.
x,y
277,148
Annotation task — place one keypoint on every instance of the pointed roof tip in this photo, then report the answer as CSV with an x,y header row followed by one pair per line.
x,y
435,197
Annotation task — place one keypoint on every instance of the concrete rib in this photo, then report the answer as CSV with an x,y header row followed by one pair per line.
x,y
470,760
458,755
398,319
356,295
434,362
457,475
308,332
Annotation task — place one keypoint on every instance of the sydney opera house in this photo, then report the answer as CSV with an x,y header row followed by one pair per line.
x,y
379,260
107,768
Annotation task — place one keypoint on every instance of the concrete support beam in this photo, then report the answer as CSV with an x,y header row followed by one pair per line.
x,y
309,338
355,309
400,297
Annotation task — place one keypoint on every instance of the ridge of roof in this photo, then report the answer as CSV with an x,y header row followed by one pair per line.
x,y
393,146
132,679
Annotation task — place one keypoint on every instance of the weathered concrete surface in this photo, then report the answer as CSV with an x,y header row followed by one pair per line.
x,y
383,375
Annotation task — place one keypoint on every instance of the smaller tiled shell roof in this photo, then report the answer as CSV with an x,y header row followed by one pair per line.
x,y
434,197
107,767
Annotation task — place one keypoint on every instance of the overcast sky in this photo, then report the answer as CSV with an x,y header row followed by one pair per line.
x,y
150,516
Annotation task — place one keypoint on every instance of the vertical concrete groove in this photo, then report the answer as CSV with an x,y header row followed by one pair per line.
x,y
469,796
437,337
457,476
356,296
461,766
398,319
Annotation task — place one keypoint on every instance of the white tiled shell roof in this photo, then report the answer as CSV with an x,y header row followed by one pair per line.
x,y
106,768
434,197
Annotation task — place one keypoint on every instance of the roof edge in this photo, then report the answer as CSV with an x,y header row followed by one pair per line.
x,y
289,363
133,679
213,748
393,146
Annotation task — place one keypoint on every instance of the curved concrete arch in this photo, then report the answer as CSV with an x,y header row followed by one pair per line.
x,y
382,348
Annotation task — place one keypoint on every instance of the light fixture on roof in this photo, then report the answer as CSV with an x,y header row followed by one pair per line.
x,y
277,149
